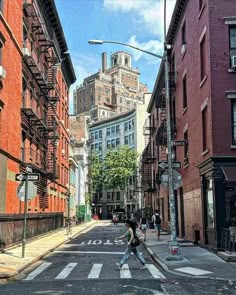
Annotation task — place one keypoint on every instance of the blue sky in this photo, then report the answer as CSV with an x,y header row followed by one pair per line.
x,y
136,22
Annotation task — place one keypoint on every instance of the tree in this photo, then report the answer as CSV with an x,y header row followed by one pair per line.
x,y
119,164
96,172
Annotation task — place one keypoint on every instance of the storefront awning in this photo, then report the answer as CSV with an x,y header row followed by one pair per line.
x,y
229,173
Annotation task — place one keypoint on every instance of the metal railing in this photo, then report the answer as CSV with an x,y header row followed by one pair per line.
x,y
228,239
11,226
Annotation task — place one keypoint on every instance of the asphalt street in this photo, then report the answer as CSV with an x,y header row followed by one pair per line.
x,y
87,265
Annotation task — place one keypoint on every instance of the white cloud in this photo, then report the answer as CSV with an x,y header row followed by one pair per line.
x,y
149,14
154,46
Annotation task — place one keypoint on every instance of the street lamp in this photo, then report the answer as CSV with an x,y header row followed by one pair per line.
x,y
174,253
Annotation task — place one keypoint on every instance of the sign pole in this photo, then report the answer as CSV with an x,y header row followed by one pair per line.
x,y
25,216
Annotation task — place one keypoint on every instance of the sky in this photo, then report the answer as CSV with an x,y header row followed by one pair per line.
x,y
135,22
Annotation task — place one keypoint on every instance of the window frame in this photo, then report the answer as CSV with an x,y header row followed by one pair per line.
x,y
185,92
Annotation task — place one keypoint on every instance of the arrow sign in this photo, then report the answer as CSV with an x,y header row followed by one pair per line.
x,y
164,165
31,177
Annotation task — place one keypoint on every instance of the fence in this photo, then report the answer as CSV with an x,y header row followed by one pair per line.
x,y
11,226
228,239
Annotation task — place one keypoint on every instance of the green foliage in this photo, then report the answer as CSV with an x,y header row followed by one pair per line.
x,y
114,170
119,165
88,198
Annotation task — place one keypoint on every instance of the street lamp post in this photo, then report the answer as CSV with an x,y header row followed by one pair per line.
x,y
174,251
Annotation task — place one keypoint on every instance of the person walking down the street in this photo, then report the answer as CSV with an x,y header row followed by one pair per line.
x,y
133,242
156,218
114,219
143,226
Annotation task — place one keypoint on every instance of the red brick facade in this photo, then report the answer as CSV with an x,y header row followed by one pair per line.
x,y
33,105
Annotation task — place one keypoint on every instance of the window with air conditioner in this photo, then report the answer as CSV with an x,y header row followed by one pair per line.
x,y
183,32
232,46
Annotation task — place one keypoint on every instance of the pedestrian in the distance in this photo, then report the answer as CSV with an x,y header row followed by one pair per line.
x,y
114,219
156,218
131,237
143,226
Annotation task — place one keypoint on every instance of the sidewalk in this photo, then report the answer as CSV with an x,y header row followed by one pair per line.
x,y
11,262
196,262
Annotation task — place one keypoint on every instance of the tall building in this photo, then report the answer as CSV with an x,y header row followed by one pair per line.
x,y
110,91
34,117
203,104
120,130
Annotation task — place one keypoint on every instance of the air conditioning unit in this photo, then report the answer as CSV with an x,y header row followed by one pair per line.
x,y
63,122
233,62
68,130
26,52
2,72
63,151
66,98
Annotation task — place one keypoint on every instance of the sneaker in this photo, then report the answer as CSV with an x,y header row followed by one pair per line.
x,y
143,267
119,265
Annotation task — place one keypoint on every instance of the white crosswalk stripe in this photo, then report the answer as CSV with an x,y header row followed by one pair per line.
x,y
37,271
125,272
155,271
66,271
95,272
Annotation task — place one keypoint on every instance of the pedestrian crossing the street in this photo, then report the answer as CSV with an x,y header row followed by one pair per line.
x,y
95,272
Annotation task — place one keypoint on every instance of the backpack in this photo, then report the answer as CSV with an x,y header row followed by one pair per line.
x,y
157,219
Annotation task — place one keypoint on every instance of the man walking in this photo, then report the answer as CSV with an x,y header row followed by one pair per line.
x,y
156,219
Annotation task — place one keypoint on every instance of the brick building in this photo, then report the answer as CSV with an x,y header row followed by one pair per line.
x,y
112,90
35,73
203,100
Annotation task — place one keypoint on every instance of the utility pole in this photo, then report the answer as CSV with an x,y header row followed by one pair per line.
x,y
174,251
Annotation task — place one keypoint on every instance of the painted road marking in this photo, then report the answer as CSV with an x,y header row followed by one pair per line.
x,y
66,271
95,271
155,272
193,271
37,271
125,272
90,252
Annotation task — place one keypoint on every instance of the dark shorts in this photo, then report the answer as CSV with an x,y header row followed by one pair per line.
x,y
157,227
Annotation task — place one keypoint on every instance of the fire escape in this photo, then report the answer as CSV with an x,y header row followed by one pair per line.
x,y
40,123
148,158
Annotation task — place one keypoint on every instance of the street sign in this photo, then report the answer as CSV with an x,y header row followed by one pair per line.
x,y
29,169
31,177
164,165
179,142
32,191
177,179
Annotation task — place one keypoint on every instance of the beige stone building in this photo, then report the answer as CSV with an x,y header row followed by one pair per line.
x,y
112,90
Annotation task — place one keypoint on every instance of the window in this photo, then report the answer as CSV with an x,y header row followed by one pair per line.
x,y
100,146
186,148
126,126
232,45
100,133
117,141
108,131
113,130
126,140
203,58
233,121
92,135
130,125
117,129
117,196
113,143
130,139
96,135
204,129
1,5
108,144
185,100
96,147
184,34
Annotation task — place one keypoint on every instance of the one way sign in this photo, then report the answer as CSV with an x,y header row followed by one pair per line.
x,y
164,165
31,177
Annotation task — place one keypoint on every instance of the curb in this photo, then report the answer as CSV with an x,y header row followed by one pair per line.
x,y
27,264
167,269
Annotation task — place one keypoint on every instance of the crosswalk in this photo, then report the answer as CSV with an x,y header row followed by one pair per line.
x,y
126,272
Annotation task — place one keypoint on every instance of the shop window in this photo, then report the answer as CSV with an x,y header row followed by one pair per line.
x,y
232,46
233,106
